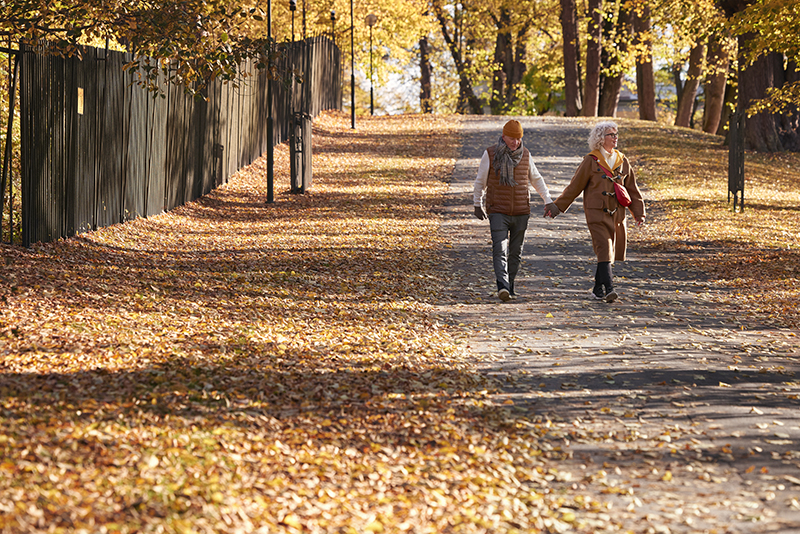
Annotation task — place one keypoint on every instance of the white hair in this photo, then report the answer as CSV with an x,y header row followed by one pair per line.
x,y
599,132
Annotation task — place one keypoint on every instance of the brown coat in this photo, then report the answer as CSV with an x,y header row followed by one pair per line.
x,y
607,227
504,198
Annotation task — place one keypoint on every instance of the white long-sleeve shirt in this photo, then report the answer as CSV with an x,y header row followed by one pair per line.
x,y
535,181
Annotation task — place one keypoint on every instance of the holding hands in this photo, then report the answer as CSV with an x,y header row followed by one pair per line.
x,y
551,210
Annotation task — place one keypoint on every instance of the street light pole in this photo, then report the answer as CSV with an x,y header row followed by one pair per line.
x,y
270,133
371,97
352,71
371,20
292,8
333,26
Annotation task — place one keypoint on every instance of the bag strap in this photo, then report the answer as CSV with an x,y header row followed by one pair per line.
x,y
616,185
608,173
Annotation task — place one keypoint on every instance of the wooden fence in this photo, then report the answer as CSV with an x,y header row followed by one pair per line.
x,y
98,149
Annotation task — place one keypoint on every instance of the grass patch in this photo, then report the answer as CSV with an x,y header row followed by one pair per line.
x,y
755,252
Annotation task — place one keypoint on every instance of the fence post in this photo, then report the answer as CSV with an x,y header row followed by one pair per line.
x,y
7,154
736,160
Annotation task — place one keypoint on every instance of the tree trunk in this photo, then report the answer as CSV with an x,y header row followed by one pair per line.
x,y
760,131
467,101
793,117
645,78
502,57
498,90
788,122
609,98
569,28
425,96
728,104
609,94
591,95
517,70
687,96
678,81
714,87
471,103
509,58
694,112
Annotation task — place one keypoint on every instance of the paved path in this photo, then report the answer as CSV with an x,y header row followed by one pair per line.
x,y
683,415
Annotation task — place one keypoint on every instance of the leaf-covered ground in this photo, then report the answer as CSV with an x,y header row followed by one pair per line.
x,y
233,366
756,252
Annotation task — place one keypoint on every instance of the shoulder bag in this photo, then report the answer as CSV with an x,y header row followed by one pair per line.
x,y
620,192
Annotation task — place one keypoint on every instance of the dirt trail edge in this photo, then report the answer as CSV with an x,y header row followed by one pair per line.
x,y
680,415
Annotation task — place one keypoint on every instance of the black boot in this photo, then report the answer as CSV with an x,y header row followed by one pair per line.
x,y
611,295
603,285
597,292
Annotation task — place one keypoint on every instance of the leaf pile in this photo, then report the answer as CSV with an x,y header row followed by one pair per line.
x,y
233,366
755,252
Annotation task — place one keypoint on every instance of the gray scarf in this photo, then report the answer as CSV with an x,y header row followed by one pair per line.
x,y
505,160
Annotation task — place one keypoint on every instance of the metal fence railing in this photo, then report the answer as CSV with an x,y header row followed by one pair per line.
x,y
98,149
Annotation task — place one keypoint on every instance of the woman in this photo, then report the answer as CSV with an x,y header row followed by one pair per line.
x,y
605,216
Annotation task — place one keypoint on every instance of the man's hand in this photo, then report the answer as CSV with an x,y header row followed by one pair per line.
x,y
551,210
479,214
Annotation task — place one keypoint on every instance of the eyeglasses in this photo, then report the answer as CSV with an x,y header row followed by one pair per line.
x,y
615,136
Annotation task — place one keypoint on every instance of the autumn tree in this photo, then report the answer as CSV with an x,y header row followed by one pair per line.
x,y
458,42
769,82
673,33
701,25
212,38
503,46
509,54
526,63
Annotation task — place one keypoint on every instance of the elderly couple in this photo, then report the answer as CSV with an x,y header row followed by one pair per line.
x,y
506,176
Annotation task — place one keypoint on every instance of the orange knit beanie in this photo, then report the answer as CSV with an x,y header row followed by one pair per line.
x,y
513,129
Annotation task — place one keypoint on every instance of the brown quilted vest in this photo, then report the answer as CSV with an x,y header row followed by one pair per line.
x,y
504,198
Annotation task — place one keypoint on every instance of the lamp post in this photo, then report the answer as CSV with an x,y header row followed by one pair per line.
x,y
293,8
304,20
371,20
333,26
352,71
270,138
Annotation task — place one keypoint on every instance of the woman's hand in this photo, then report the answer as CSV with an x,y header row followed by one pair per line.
x,y
640,221
551,210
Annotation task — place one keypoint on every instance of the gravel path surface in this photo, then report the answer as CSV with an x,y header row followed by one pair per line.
x,y
682,417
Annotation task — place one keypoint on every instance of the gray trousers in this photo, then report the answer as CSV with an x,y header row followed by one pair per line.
x,y
508,236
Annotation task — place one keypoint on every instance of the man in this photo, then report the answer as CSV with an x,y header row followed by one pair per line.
x,y
506,176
